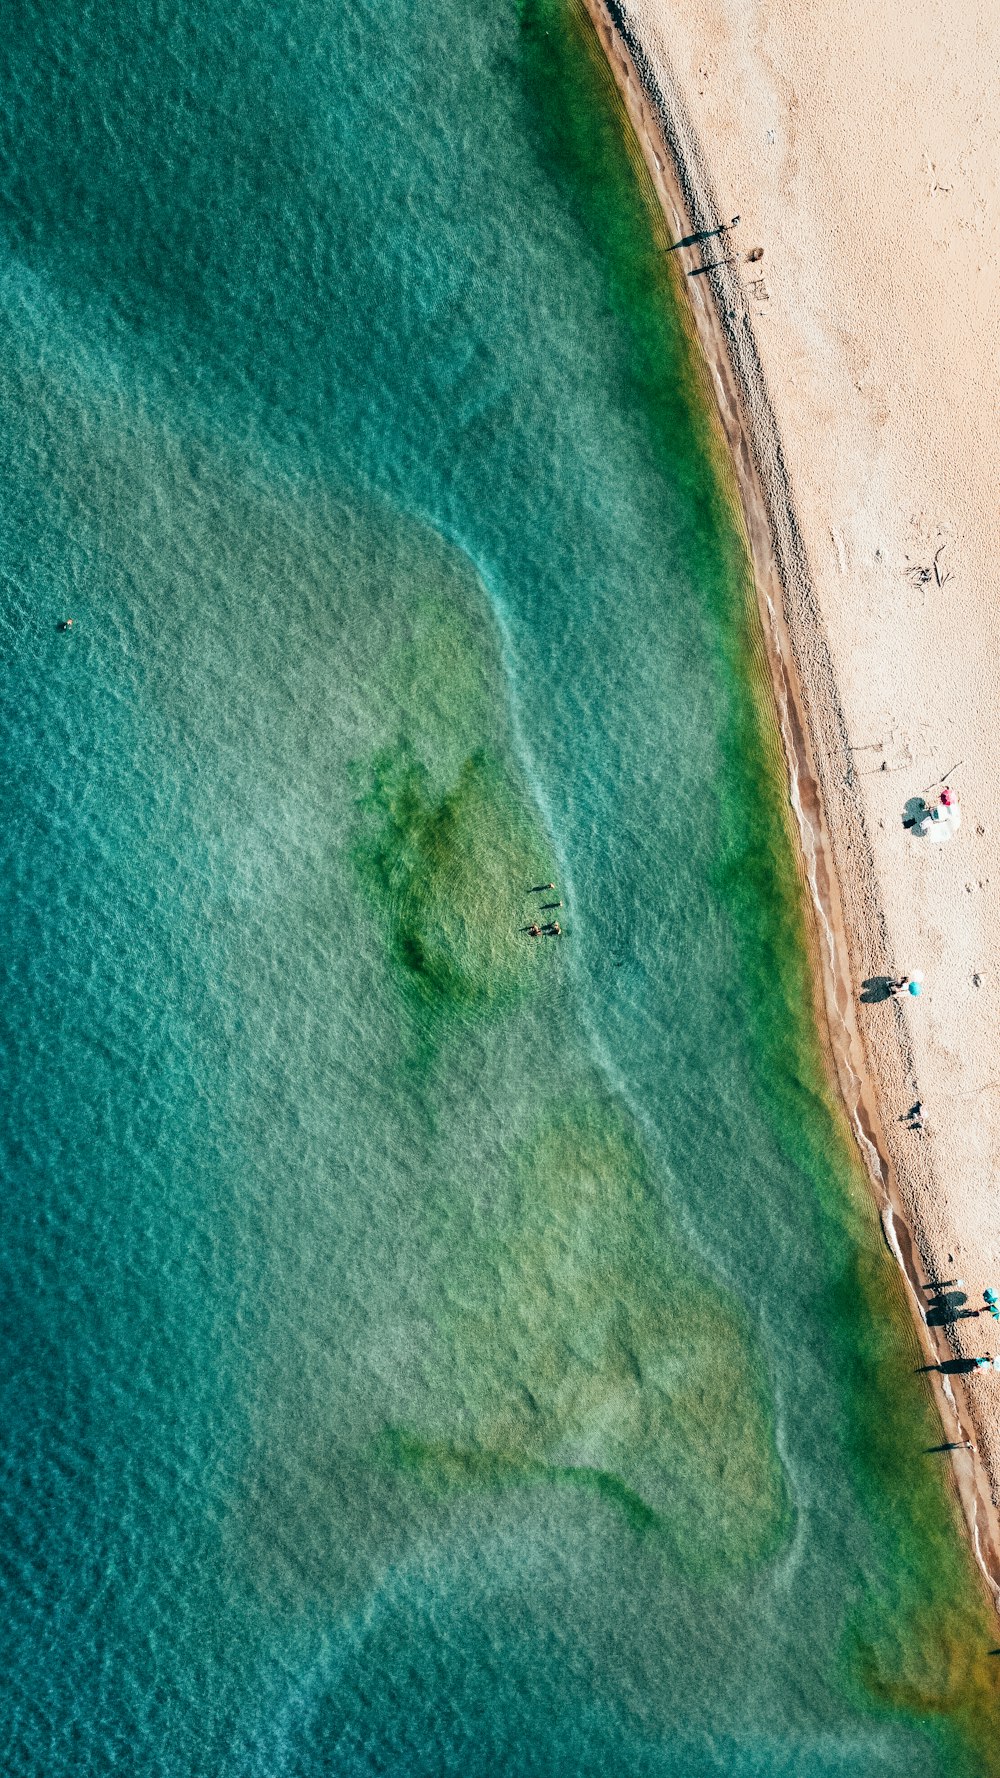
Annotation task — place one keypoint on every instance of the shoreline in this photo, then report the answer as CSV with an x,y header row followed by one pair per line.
x,y
850,936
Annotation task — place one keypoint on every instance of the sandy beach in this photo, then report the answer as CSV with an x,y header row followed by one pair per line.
x,y
855,365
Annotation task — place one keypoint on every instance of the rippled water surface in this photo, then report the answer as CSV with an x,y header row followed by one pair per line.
x,y
430,1349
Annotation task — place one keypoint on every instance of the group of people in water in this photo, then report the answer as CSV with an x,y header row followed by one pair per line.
x,y
552,928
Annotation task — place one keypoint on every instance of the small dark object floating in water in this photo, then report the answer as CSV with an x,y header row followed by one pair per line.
x,y
65,623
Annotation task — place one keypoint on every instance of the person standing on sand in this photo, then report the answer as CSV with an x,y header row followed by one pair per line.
x,y
906,984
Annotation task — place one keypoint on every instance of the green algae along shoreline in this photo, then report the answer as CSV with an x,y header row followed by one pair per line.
x,y
845,928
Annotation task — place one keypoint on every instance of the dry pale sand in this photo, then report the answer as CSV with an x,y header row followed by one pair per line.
x,y
858,373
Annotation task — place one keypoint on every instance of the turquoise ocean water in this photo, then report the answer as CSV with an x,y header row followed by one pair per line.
x,y
430,1350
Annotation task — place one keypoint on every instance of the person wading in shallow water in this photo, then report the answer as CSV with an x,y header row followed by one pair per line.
x,y
553,928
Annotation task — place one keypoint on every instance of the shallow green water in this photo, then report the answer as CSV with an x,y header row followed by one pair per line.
x,y
434,1350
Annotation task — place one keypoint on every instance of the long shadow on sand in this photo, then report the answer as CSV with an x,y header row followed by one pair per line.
x,y
875,989
701,234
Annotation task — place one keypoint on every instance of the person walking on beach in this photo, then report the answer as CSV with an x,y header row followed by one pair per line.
x,y
906,984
